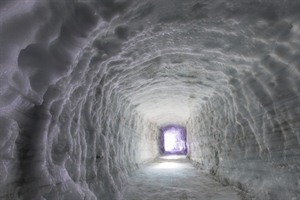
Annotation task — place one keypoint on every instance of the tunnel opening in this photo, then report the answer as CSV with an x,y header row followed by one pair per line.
x,y
173,140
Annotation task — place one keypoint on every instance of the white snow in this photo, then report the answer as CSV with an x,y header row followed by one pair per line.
x,y
86,85
174,177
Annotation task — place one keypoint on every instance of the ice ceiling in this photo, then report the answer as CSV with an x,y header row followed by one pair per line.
x,y
164,58
92,80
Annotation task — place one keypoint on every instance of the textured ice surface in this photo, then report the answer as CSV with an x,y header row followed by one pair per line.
x,y
175,178
85,86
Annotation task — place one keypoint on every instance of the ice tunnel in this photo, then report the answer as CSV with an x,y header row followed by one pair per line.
x,y
87,85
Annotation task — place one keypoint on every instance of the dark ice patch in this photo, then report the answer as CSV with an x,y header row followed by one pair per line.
x,y
122,32
109,8
110,46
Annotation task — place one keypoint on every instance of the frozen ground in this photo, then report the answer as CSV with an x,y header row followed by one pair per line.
x,y
174,177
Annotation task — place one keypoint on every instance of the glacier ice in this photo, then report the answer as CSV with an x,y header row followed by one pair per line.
x,y
86,85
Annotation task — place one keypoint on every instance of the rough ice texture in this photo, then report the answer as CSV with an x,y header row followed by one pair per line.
x,y
86,84
170,178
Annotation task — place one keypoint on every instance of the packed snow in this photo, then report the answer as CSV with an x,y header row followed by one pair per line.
x,y
174,177
86,85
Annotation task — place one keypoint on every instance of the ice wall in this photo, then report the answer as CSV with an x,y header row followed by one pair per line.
x,y
66,133
248,133
86,84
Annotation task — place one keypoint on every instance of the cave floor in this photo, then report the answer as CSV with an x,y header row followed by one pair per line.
x,y
174,177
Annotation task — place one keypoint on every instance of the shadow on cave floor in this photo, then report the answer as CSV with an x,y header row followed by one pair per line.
x,y
174,177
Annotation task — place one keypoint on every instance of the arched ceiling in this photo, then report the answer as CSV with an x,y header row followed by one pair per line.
x,y
166,58
163,57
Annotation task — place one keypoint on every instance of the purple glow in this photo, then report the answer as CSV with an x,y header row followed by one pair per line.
x,y
173,140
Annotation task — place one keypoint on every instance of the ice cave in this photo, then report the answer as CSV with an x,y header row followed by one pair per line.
x,y
88,86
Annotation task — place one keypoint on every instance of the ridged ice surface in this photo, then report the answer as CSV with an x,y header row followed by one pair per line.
x,y
175,178
86,84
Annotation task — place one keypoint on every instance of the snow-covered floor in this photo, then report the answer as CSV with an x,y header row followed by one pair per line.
x,y
174,177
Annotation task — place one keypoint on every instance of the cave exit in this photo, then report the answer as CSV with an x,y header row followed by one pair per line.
x,y
173,140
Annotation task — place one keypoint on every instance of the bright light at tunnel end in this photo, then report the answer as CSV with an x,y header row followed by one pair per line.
x,y
173,140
